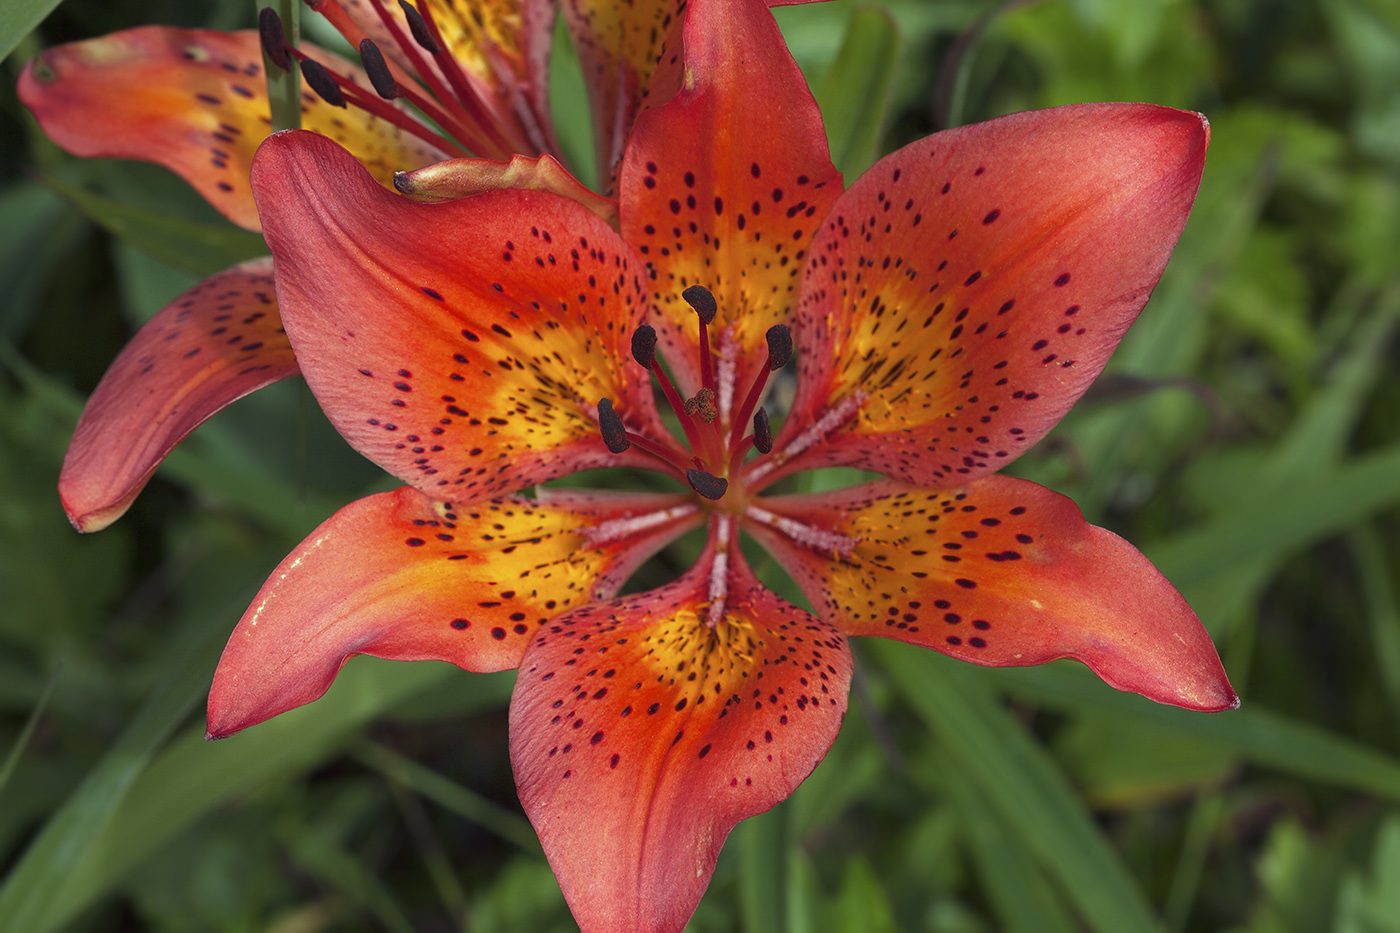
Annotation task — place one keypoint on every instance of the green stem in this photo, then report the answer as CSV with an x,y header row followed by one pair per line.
x,y
284,87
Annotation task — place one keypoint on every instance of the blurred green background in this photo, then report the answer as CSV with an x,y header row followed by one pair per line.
x,y
1246,436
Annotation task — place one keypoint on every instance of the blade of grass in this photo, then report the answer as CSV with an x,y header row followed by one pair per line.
x,y
200,248
18,19
12,759
763,855
855,95
1257,735
1383,613
1021,782
1020,895
447,793
38,893
192,776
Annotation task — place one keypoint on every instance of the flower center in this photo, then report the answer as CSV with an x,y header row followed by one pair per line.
x,y
448,96
715,455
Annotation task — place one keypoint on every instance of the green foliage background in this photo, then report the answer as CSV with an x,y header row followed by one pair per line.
x,y
1247,437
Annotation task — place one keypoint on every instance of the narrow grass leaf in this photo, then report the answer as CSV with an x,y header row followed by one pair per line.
x,y
200,248
447,793
1028,791
855,94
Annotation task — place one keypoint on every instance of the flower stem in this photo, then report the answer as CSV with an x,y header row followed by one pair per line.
x,y
284,87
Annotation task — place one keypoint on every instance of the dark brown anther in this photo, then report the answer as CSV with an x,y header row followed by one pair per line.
x,y
421,33
699,298
779,347
273,43
762,432
614,432
702,406
644,345
322,83
707,484
378,71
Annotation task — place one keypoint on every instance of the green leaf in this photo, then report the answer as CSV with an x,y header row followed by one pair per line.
x,y
18,19
763,852
196,247
1020,895
985,746
1257,735
855,95
38,894
192,775
445,792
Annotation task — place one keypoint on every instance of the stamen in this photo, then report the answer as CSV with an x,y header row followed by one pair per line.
x,y
644,345
270,31
421,35
371,104
707,484
378,71
699,298
644,352
614,431
779,347
762,431
321,82
779,354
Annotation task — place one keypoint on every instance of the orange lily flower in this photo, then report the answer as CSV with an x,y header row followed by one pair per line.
x,y
195,101
945,312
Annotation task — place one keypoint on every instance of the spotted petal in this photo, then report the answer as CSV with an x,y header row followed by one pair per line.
x,y
640,735
463,346
1000,572
214,344
399,575
725,184
194,101
968,288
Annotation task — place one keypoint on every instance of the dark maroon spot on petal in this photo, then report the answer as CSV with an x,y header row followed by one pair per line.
x,y
965,583
704,751
498,633
1063,280
456,623
991,217
415,542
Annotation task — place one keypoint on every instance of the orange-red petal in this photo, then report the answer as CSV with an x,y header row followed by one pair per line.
x,y
1000,572
968,288
214,344
640,736
725,184
194,101
463,346
399,575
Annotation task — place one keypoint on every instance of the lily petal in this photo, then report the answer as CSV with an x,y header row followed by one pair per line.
x,y
462,346
458,178
1001,572
970,286
640,736
194,101
399,575
211,346
725,184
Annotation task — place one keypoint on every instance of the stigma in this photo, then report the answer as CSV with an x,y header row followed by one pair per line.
x,y
718,440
